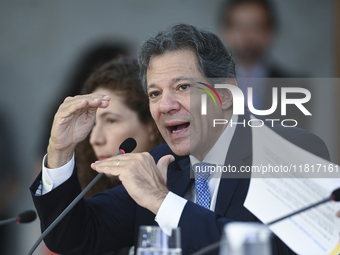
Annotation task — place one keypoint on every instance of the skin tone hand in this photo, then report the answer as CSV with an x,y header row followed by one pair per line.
x,y
72,123
142,178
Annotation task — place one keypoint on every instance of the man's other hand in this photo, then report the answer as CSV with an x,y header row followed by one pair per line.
x,y
142,178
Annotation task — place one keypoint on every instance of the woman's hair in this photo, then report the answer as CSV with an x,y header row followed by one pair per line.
x,y
120,76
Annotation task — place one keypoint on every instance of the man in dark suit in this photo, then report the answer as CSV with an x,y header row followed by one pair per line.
x,y
157,188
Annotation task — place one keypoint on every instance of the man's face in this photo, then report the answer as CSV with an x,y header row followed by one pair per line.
x,y
170,78
248,32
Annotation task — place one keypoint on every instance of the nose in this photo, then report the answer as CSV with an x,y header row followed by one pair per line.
x,y
97,136
168,103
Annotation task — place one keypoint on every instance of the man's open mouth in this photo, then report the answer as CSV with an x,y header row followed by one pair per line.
x,y
178,128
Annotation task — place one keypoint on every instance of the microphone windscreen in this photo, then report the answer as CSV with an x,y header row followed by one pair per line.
x,y
128,145
27,216
336,195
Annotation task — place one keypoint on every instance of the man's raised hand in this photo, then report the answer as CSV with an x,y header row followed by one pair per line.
x,y
72,123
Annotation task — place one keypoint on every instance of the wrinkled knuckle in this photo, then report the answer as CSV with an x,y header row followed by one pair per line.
x,y
146,154
139,156
67,99
135,161
61,108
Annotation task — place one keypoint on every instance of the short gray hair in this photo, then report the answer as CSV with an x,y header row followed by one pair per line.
x,y
214,59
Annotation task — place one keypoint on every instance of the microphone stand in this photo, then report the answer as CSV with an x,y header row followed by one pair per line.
x,y
127,146
299,211
62,215
4,222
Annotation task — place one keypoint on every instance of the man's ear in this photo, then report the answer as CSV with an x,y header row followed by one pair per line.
x,y
226,98
226,95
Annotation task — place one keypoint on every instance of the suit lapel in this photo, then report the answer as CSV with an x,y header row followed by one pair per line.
x,y
239,153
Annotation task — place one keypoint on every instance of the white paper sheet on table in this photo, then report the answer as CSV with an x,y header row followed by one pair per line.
x,y
312,232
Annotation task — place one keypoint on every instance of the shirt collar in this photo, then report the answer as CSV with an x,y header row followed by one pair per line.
x,y
219,151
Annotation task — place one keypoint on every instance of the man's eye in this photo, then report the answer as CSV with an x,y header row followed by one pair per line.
x,y
153,94
184,87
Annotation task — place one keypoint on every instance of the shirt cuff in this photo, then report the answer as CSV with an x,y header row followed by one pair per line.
x,y
52,178
170,212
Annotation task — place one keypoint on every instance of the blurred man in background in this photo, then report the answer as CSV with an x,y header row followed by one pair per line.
x,y
248,27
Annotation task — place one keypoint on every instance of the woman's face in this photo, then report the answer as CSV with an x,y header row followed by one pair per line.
x,y
116,123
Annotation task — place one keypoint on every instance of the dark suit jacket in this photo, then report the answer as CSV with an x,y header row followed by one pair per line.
x,y
110,220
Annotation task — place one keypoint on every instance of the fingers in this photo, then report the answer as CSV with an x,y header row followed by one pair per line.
x,y
163,164
140,176
114,166
87,97
93,100
110,166
121,163
84,102
107,163
74,120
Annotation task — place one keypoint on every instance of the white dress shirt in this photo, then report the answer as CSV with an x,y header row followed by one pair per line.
x,y
170,211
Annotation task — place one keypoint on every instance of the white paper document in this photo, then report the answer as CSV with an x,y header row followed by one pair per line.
x,y
315,231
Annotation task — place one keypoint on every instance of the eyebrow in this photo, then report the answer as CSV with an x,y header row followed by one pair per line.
x,y
173,80
102,115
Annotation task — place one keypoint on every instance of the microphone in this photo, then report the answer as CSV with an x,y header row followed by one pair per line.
x,y
126,147
335,196
24,217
